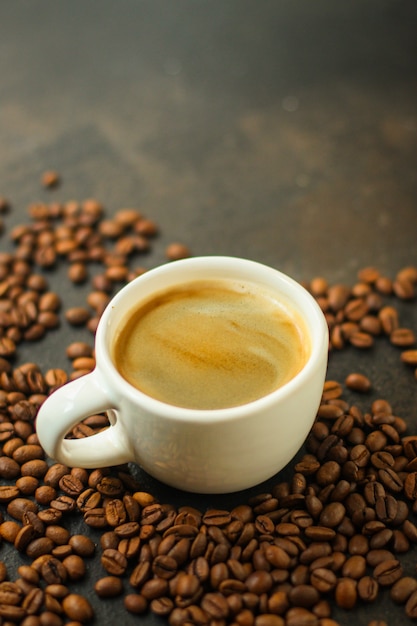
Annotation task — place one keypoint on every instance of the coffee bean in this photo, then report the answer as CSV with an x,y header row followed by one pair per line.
x,y
388,572
403,337
175,251
77,608
346,593
389,319
54,474
9,468
77,316
361,339
164,566
135,603
110,486
411,606
367,589
154,588
358,382
75,567
354,567
109,587
332,514
298,616
17,507
113,562
95,517
410,530
50,516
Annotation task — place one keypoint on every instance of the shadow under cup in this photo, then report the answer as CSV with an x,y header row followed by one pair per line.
x,y
225,449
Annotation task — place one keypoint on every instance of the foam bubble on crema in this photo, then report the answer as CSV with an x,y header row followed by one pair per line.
x,y
211,344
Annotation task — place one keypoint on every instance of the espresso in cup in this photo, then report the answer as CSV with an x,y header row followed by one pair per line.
x,y
211,344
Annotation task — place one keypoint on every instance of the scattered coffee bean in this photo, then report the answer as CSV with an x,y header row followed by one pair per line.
x,y
358,382
176,251
109,587
77,608
50,179
334,532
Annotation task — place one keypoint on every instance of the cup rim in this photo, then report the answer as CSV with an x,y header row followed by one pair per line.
x,y
315,322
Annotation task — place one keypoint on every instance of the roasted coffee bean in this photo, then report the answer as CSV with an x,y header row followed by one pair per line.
x,y
164,566
175,251
403,337
367,589
354,567
54,474
77,608
298,616
324,580
402,589
388,572
332,514
361,340
96,518
140,574
409,357
129,547
303,595
9,468
154,588
411,606
75,567
53,571
109,587
358,544
113,562
391,480
135,603
389,319
19,506
50,516
77,316
346,593
71,485
63,503
358,382
45,494
33,601
89,499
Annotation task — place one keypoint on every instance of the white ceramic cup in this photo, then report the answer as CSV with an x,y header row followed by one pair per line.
x,y
206,451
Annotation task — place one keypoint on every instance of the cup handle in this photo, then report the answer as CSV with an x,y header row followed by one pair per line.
x,y
69,405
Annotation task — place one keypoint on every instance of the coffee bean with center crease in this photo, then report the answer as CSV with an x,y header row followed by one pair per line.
x,y
113,562
388,572
164,566
386,508
53,571
367,589
391,480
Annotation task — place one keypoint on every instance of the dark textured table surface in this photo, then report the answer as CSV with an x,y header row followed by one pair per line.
x,y
281,131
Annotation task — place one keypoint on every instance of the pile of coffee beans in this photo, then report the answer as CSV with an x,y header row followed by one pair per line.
x,y
330,537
